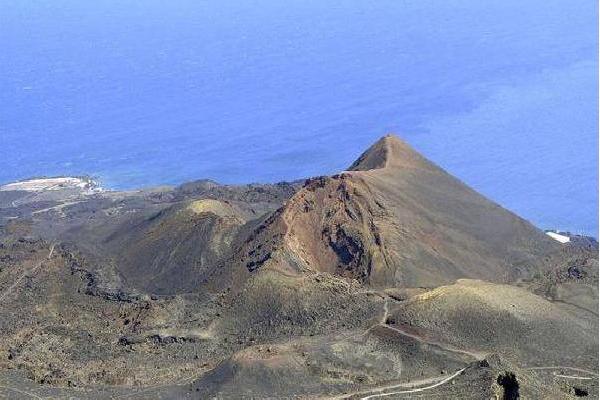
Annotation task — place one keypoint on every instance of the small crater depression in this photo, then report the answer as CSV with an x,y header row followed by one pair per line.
x,y
510,386
579,392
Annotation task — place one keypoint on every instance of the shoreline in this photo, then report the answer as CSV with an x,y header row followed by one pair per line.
x,y
89,185
54,183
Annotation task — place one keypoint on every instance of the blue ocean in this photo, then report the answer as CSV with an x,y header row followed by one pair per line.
x,y
502,94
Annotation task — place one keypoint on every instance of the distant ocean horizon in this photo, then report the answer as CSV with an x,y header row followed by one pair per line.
x,y
501,94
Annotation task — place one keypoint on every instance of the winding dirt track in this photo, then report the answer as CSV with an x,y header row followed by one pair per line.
x,y
383,391
476,355
416,390
594,375
367,394
438,381
585,371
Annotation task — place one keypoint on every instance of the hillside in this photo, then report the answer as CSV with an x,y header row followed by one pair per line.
x,y
396,219
392,279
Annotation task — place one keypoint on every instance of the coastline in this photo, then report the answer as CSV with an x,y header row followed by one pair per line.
x,y
37,184
86,185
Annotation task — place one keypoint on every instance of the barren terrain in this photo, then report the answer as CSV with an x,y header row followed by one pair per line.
x,y
390,280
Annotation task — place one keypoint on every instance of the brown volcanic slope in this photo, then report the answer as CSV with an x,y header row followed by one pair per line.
x,y
171,251
246,292
396,219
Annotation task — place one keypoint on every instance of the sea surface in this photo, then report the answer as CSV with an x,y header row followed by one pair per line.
x,y
503,94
